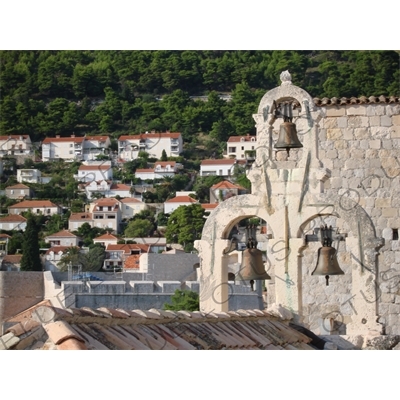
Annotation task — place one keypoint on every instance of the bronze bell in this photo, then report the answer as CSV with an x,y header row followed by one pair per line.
x,y
288,137
327,263
252,266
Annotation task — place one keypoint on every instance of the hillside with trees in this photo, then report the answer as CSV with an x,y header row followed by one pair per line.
x,y
44,93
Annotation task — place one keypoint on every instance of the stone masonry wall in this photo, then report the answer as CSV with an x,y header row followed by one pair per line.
x,y
360,145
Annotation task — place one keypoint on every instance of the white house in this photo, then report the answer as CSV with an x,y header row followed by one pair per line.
x,y
66,148
29,175
222,167
74,148
106,239
94,146
153,143
15,145
95,171
131,206
62,238
102,187
106,213
76,220
44,207
224,190
13,222
18,191
53,256
237,146
172,204
119,189
161,170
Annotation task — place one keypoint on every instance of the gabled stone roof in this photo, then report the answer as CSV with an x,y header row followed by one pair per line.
x,y
45,327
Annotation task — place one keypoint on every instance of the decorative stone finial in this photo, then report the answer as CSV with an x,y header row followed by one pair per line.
x,y
286,78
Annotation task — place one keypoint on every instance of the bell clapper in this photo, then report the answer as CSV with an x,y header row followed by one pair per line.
x,y
327,280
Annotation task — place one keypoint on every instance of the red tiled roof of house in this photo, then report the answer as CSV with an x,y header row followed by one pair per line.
x,y
182,199
132,262
4,236
163,164
12,258
33,204
18,186
209,206
80,216
226,185
247,138
126,248
172,135
63,233
13,218
130,200
63,139
149,170
5,137
225,161
58,249
106,236
99,138
120,186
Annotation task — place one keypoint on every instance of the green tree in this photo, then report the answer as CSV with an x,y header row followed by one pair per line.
x,y
90,261
185,225
164,156
186,300
30,260
139,228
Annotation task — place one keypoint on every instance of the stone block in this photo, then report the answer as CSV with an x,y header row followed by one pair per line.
x,y
142,286
364,144
380,110
383,203
396,120
335,111
395,132
348,134
387,144
362,133
356,110
334,134
342,122
375,144
390,212
370,110
393,110
386,120
332,154
340,144
169,286
330,123
375,121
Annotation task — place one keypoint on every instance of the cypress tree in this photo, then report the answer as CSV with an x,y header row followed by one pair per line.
x,y
30,260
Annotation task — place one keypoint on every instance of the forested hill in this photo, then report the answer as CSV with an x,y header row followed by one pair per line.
x,y
44,93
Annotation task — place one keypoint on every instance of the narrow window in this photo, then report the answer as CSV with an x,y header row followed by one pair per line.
x,y
395,234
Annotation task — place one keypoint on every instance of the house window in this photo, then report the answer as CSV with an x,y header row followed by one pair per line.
x,y
37,211
71,145
242,147
12,191
395,234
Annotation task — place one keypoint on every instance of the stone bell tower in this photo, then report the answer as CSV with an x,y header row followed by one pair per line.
x,y
288,192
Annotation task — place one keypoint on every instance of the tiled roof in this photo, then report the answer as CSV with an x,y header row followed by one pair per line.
x,y
218,162
5,137
63,139
132,262
57,249
182,199
226,185
99,138
247,138
126,248
12,258
80,216
4,236
120,186
13,218
33,203
149,170
210,206
355,100
130,200
18,186
172,135
106,236
63,233
163,164
46,327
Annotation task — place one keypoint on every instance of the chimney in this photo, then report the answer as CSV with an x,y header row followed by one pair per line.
x,y
57,136
73,135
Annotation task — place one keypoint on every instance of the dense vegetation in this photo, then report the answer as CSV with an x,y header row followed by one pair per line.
x,y
44,93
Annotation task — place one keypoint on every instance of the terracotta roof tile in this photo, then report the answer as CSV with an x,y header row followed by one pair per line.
x,y
163,164
226,185
182,199
94,167
172,135
130,200
33,204
63,233
13,218
355,100
107,328
106,236
247,138
63,139
18,186
80,216
225,161
12,258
